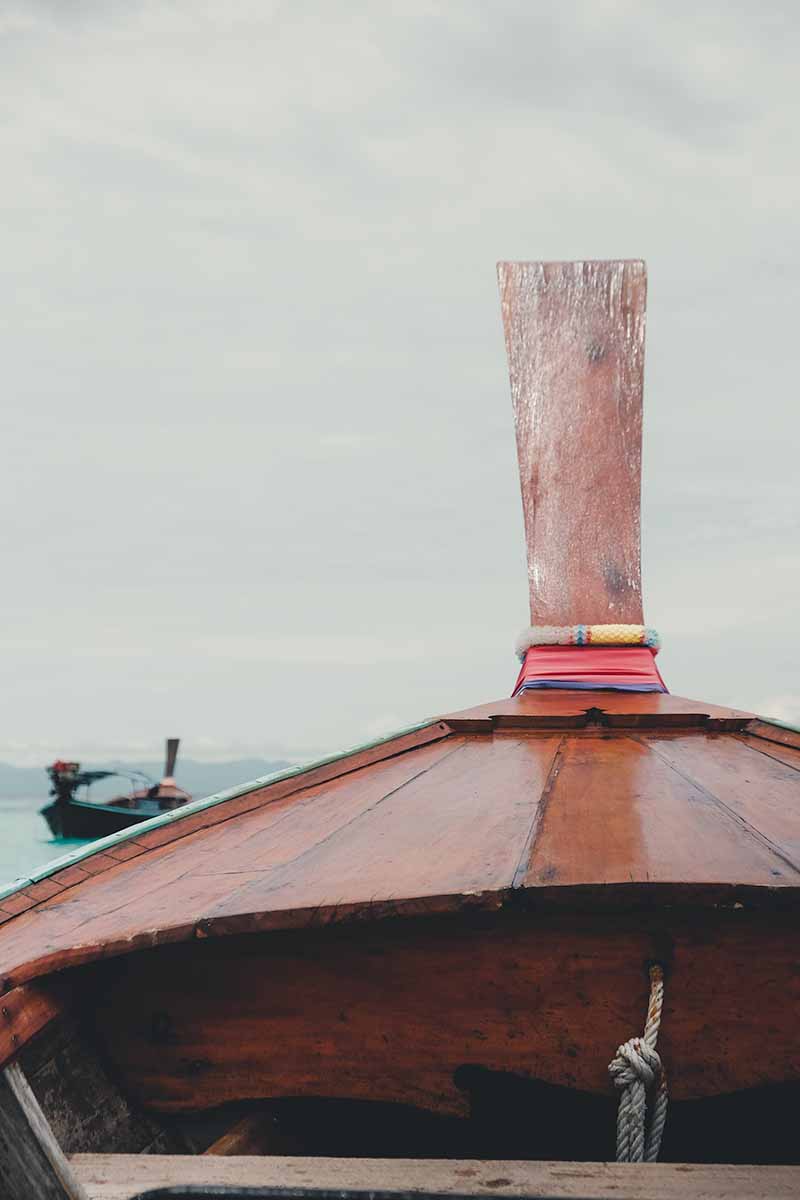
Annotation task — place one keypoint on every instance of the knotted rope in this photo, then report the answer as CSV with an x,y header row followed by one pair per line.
x,y
638,1073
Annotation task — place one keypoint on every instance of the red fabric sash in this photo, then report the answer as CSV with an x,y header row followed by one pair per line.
x,y
624,668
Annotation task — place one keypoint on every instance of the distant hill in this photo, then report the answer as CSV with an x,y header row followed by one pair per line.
x,y
198,778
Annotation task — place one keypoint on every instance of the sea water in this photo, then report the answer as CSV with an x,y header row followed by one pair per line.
x,y
25,841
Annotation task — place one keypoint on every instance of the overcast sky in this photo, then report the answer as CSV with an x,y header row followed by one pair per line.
x,y
258,467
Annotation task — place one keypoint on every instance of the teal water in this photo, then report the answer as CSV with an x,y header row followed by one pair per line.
x,y
25,840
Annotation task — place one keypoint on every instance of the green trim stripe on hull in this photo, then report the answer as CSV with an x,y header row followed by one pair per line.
x,y
194,806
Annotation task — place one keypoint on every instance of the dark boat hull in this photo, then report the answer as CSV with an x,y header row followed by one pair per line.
x,y
82,819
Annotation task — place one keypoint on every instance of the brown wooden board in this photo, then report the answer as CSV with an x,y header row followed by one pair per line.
x,y
759,793
163,894
119,1177
575,342
460,829
614,819
774,733
619,812
32,1163
392,1013
783,752
563,709
25,1011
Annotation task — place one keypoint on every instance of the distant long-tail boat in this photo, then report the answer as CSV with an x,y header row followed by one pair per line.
x,y
481,956
72,815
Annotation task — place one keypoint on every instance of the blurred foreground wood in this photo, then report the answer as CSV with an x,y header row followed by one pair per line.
x,y
122,1176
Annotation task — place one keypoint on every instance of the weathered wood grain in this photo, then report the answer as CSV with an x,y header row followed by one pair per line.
x,y
82,1104
620,813
24,1012
392,1013
783,752
575,341
337,768
672,815
163,895
774,733
32,1163
563,709
760,793
119,1177
459,829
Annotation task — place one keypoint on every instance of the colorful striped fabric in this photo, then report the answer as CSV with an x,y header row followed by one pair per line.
x,y
615,668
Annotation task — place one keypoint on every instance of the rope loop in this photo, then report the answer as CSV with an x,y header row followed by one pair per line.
x,y
638,1074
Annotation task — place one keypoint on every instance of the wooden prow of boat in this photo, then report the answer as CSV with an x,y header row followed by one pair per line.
x,y
430,947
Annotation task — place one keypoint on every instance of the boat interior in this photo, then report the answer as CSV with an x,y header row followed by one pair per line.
x,y
405,953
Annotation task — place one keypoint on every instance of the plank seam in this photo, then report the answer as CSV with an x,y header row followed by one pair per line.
x,y
291,864
537,821
438,732
768,844
759,750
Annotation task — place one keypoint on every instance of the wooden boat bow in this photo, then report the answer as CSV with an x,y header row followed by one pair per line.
x,y
482,892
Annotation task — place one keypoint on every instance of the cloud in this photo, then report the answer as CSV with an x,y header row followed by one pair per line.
x,y
782,708
254,378
312,649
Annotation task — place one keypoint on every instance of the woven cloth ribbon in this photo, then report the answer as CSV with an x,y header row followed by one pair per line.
x,y
587,635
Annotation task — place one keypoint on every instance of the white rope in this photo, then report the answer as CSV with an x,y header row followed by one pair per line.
x,y
638,1074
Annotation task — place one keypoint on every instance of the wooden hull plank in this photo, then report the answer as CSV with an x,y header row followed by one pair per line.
x,y
164,895
780,751
460,829
785,735
619,813
620,819
557,709
391,1013
762,793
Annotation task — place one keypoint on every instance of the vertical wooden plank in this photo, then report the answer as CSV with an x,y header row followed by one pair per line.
x,y
575,341
31,1160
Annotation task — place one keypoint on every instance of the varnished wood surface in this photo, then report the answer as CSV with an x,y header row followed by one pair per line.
x,y
624,810
462,829
551,708
392,1013
575,342
781,751
119,1177
760,793
595,816
24,1011
781,734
